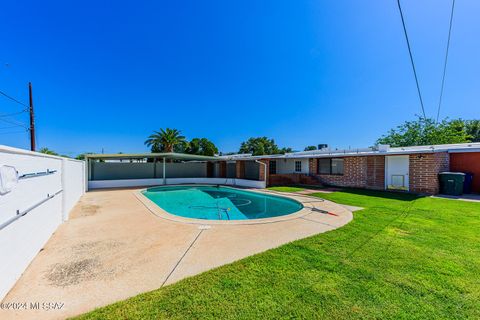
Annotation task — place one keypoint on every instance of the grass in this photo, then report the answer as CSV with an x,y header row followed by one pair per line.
x,y
402,257
286,189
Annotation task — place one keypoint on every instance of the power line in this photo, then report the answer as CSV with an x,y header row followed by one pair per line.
x,y
13,114
446,59
2,128
12,132
16,123
13,99
411,59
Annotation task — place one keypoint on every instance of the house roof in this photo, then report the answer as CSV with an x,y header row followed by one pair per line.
x,y
166,155
324,153
379,150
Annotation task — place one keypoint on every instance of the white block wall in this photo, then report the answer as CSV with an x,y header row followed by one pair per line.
x,y
73,174
21,240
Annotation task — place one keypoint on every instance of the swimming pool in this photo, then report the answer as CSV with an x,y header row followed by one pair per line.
x,y
220,203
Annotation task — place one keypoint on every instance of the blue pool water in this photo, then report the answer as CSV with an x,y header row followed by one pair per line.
x,y
220,203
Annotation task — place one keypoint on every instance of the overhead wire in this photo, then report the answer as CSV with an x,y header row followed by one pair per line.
x,y
13,99
16,123
12,132
13,113
446,60
15,126
12,122
411,59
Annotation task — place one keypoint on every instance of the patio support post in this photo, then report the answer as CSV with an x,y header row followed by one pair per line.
x,y
154,168
265,168
164,175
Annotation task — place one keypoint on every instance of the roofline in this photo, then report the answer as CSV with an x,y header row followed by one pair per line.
x,y
449,148
385,150
167,155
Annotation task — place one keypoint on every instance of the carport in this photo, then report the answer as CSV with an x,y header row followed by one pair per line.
x,y
149,169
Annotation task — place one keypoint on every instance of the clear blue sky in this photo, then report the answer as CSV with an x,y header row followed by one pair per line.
x,y
106,74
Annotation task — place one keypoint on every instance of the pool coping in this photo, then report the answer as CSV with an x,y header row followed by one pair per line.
x,y
163,214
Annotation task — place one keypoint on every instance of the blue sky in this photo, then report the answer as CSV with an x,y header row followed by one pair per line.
x,y
106,74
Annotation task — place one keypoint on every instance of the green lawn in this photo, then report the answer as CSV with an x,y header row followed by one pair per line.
x,y
402,257
286,189
295,188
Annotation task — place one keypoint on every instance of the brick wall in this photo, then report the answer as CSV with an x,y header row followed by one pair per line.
x,y
424,169
376,172
354,173
240,169
209,169
369,172
223,169
362,172
312,166
283,179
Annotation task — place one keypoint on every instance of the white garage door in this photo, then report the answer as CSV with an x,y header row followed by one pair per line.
x,y
396,176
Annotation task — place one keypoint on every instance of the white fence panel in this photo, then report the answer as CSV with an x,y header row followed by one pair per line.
x,y
73,181
47,189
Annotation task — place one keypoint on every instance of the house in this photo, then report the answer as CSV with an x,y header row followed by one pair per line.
x,y
413,169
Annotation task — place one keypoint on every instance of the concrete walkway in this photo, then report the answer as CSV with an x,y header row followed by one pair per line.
x,y
117,245
472,197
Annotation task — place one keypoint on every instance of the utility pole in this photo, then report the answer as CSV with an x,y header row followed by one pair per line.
x,y
32,119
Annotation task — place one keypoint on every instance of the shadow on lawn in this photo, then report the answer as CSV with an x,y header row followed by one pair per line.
x,y
393,195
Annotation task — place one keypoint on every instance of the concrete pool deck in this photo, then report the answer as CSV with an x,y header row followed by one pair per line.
x,y
117,245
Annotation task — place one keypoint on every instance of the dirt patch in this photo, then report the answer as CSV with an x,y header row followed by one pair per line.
x,y
71,273
87,263
87,210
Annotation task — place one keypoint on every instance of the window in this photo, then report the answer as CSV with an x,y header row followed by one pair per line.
x,y
330,166
324,166
298,166
272,169
337,166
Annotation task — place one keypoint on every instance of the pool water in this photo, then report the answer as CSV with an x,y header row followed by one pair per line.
x,y
220,203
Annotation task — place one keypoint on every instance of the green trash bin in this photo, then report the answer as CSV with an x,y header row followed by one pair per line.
x,y
451,183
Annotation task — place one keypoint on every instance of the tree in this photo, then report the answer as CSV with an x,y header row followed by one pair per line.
x,y
473,129
310,148
168,140
45,150
201,146
286,150
426,132
260,146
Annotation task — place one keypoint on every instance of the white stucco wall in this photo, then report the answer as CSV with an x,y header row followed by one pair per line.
x,y
21,240
73,173
285,166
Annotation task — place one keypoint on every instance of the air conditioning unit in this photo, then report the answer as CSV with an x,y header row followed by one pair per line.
x,y
322,146
383,147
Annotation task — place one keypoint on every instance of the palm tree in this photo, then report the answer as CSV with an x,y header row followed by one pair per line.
x,y
165,140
